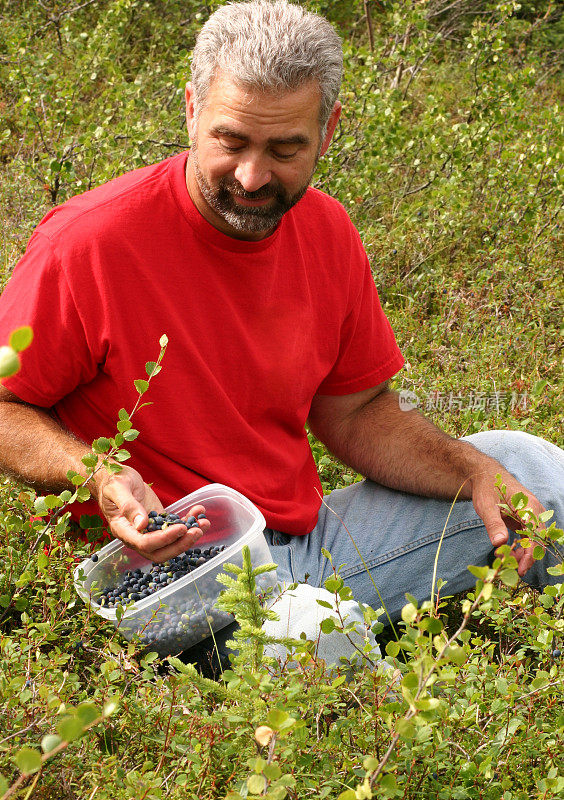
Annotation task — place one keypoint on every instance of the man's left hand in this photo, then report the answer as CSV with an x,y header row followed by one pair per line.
x,y
486,500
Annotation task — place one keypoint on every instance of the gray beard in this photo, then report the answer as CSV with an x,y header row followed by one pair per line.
x,y
245,219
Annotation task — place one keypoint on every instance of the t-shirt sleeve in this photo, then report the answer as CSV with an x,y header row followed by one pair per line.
x,y
59,358
368,352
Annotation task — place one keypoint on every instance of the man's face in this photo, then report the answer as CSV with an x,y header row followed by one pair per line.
x,y
253,154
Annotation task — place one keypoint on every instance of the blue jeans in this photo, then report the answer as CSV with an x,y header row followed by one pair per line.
x,y
398,534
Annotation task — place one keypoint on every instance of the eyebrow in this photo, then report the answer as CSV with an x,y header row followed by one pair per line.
x,y
224,130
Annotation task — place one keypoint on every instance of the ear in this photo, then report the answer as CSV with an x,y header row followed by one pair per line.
x,y
190,115
332,124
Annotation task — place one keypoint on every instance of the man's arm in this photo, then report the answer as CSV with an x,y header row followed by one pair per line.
x,y
403,450
36,450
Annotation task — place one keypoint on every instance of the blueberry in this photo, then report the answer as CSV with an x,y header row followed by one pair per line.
x,y
191,521
556,653
202,516
159,520
135,596
95,557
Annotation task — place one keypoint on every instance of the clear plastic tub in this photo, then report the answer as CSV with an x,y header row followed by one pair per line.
x,y
182,613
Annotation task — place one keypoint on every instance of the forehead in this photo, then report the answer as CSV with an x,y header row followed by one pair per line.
x,y
259,113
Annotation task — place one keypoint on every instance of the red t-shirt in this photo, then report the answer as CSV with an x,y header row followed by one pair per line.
x,y
255,330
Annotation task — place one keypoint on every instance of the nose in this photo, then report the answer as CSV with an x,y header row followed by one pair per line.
x,y
252,173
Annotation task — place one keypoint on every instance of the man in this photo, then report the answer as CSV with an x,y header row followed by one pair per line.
x,y
265,292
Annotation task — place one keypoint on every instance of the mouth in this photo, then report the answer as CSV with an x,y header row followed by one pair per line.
x,y
250,203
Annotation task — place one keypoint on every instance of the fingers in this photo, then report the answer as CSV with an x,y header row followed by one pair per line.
x,y
160,545
523,555
128,523
524,558
496,529
118,503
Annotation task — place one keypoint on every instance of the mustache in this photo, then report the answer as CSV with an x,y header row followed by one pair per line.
x,y
233,186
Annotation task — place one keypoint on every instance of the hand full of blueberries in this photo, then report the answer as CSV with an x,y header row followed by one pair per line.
x,y
137,585
160,521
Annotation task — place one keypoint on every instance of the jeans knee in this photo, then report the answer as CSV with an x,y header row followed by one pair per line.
x,y
516,450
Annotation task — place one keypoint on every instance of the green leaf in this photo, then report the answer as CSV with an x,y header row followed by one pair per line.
x,y
90,460
392,648
88,521
456,654
272,771
124,425
388,781
40,506
122,455
333,584
87,713
141,385
3,785
130,435
519,500
163,341
9,362
28,760
509,577
328,625
152,368
21,338
256,784
101,445
409,613
541,680
122,414
70,728
277,718
111,707
405,728
49,742
479,572
82,494
349,794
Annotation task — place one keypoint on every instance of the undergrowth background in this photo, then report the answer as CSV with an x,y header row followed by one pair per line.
x,y
449,160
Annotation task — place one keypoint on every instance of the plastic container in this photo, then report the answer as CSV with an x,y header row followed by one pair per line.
x,y
182,613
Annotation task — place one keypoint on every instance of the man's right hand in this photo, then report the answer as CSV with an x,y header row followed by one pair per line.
x,y
124,499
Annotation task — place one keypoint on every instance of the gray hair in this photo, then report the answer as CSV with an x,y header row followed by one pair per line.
x,y
269,45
